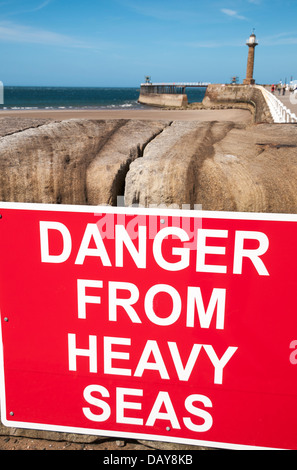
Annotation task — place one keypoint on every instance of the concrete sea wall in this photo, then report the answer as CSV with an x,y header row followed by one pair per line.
x,y
217,95
163,99
243,96
220,165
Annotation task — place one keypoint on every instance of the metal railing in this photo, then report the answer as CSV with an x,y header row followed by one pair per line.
x,y
169,88
183,84
279,112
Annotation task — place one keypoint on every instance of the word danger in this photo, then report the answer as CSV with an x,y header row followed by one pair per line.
x,y
140,255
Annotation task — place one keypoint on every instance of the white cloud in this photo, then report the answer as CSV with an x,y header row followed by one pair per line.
x,y
38,7
280,39
233,14
42,5
160,13
17,33
213,44
13,32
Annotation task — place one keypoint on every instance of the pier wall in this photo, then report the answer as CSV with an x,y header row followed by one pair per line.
x,y
163,99
243,96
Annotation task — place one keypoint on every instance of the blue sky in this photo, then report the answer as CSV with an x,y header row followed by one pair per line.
x,y
118,42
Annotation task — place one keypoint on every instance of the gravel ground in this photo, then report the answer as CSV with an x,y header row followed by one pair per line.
x,y
23,443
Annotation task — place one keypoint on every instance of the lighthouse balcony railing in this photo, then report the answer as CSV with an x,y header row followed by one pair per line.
x,y
279,112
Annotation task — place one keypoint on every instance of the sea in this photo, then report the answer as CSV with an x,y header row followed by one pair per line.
x,y
29,97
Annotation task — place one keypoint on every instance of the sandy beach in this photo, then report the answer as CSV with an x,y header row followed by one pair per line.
x,y
237,115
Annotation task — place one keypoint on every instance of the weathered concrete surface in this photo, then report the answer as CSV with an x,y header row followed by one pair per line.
x,y
11,125
61,162
252,170
221,166
167,173
105,178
